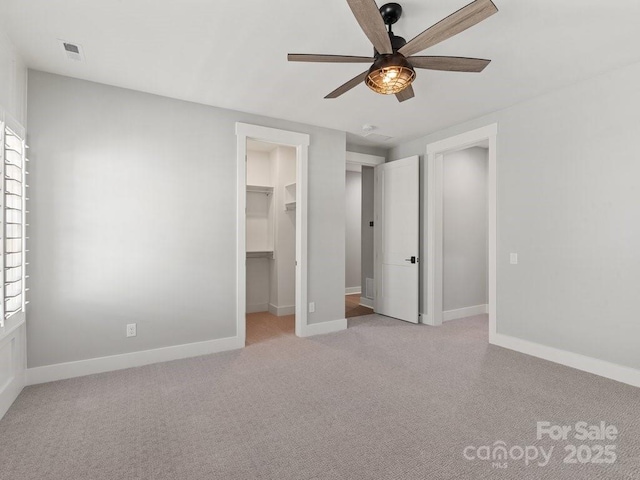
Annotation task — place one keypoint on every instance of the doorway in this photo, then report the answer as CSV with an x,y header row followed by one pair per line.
x,y
465,233
358,240
269,204
359,233
434,288
270,241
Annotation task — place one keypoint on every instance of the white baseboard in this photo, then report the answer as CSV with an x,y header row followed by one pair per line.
x,y
260,307
324,327
352,290
464,312
366,302
280,311
60,371
613,371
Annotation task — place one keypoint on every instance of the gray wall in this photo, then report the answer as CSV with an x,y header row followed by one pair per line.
x,y
465,218
353,243
133,219
367,230
284,263
366,149
569,205
13,81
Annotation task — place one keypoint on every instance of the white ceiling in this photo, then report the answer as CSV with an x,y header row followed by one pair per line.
x,y
233,54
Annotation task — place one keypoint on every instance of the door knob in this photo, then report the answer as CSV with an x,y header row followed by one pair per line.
x,y
412,260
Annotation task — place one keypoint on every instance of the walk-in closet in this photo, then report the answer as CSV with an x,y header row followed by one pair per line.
x,y
271,241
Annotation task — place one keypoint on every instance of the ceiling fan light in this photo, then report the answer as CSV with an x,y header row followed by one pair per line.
x,y
390,74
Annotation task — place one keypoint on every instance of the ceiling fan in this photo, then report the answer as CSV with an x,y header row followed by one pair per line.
x,y
394,63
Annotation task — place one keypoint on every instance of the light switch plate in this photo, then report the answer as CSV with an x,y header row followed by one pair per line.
x,y
513,259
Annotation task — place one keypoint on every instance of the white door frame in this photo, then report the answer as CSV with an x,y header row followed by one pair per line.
x,y
300,141
435,158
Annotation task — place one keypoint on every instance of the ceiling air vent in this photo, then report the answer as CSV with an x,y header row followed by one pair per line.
x,y
378,138
367,132
72,51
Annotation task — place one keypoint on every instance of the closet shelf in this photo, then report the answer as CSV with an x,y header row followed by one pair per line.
x,y
290,206
260,189
260,254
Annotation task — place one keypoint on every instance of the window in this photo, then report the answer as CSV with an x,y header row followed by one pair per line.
x,y
12,256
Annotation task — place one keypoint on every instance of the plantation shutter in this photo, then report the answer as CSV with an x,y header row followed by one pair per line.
x,y
13,239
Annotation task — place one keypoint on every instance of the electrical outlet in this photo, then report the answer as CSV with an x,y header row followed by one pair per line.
x,y
513,259
312,307
131,330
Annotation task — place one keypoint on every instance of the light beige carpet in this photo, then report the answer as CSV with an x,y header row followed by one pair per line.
x,y
383,400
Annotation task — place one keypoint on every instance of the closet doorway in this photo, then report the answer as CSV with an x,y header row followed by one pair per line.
x,y
271,241
272,227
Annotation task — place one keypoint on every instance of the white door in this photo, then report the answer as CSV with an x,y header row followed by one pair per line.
x,y
397,224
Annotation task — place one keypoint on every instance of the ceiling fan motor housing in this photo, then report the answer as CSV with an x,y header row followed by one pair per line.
x,y
391,13
396,43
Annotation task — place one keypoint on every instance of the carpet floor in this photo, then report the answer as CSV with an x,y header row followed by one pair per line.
x,y
383,400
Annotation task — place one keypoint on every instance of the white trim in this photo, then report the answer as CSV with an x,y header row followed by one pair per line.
x,y
435,159
425,319
366,302
464,140
464,312
364,159
325,327
301,143
281,311
60,371
352,290
13,347
613,371
11,325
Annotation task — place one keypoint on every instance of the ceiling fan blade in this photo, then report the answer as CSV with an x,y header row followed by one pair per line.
x,y
450,64
370,20
455,23
348,86
302,57
405,94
